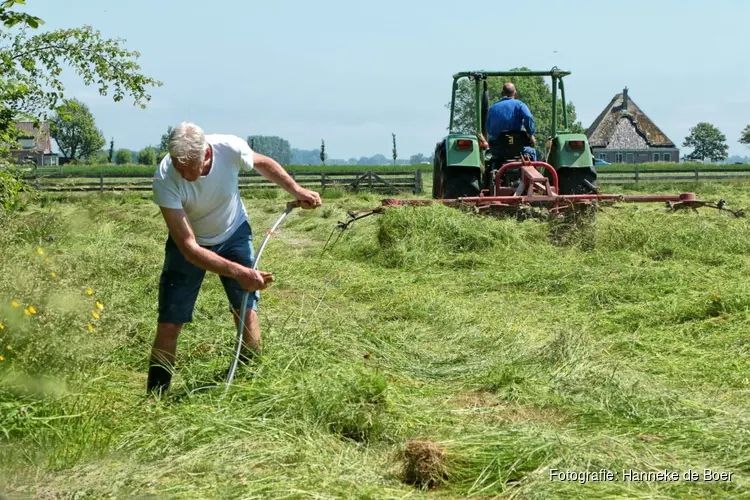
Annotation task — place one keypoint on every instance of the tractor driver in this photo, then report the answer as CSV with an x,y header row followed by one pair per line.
x,y
509,115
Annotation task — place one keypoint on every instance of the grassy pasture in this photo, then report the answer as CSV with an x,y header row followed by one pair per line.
x,y
468,355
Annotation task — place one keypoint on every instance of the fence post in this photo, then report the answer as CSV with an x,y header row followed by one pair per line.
x,y
696,173
636,173
369,178
418,181
323,179
101,182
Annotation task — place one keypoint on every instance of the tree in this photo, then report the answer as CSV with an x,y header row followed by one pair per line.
x,y
111,150
272,146
416,159
534,91
707,141
10,18
123,156
164,143
30,84
147,156
322,152
745,137
395,154
74,129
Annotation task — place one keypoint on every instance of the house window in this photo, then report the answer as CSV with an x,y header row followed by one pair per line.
x,y
603,156
618,157
667,156
27,143
656,157
630,158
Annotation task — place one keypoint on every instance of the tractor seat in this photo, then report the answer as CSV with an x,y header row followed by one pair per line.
x,y
509,145
504,149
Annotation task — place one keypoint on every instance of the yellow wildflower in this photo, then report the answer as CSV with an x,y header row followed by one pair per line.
x,y
1,325
89,292
31,310
2,358
9,348
99,305
27,312
52,274
15,303
39,251
47,260
95,314
91,327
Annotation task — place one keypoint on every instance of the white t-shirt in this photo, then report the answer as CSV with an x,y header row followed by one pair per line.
x,y
212,203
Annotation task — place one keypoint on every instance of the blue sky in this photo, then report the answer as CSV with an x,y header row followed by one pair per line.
x,y
351,73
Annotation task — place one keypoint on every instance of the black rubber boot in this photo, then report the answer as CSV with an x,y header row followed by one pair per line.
x,y
159,378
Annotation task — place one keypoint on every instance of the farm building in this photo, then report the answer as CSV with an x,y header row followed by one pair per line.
x,y
36,145
623,133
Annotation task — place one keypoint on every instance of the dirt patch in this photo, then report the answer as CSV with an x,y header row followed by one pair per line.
x,y
649,437
424,464
487,406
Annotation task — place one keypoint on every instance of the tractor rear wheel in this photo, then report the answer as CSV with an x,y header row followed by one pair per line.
x,y
460,182
577,180
438,163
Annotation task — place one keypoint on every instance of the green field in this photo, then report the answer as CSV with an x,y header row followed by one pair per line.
x,y
467,354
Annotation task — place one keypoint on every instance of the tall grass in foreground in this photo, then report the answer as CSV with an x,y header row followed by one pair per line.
x,y
426,348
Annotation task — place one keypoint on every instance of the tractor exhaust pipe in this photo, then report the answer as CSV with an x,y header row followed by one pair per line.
x,y
485,109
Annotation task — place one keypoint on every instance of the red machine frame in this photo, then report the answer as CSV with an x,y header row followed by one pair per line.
x,y
537,190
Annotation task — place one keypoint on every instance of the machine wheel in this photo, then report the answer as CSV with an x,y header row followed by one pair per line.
x,y
577,180
438,162
460,182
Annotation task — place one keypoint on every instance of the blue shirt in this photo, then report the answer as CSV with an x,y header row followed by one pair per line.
x,y
508,115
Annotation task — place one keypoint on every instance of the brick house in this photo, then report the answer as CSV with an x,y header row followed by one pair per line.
x,y
623,133
35,145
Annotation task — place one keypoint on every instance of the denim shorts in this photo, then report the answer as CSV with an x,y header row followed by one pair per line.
x,y
181,281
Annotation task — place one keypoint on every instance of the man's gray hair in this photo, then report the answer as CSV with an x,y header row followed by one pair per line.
x,y
187,143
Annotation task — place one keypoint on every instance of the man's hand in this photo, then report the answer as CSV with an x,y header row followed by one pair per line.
x,y
533,140
271,170
308,199
252,280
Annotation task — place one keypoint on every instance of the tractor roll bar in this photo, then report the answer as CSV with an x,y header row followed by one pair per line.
x,y
553,72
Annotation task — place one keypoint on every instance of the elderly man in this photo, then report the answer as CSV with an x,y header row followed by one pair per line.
x,y
197,188
511,115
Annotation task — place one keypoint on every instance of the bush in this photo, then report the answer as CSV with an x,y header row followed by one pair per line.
x,y
123,156
147,156
101,158
11,186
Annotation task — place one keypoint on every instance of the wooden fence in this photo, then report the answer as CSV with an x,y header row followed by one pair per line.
x,y
682,174
390,182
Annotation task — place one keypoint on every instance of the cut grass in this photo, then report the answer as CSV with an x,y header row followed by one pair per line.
x,y
499,350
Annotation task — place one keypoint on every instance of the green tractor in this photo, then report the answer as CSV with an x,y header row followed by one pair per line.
x,y
464,165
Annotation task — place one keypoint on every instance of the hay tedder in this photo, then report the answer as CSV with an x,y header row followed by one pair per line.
x,y
497,178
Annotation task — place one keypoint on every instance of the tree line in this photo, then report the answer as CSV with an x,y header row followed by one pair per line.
x,y
74,129
708,142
